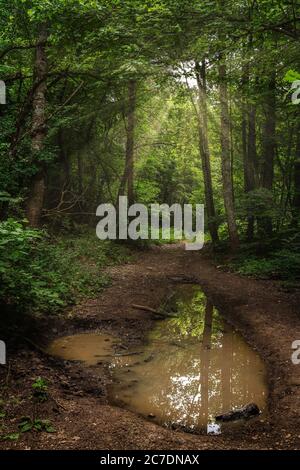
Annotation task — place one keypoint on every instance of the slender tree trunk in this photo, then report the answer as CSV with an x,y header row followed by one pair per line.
x,y
269,146
231,145
205,359
296,198
226,369
38,131
269,137
245,80
245,147
249,140
204,151
129,155
252,155
226,159
251,164
130,139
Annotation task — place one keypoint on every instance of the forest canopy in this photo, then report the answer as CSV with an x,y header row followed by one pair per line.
x,y
163,101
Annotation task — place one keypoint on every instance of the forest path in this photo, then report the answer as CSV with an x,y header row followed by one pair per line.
x,y
266,317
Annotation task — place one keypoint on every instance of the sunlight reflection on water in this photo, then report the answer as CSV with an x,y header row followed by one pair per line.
x,y
194,367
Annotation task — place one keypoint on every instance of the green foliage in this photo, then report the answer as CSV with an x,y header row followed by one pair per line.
x,y
13,436
93,49
40,388
291,76
189,306
41,274
24,281
26,424
282,264
147,191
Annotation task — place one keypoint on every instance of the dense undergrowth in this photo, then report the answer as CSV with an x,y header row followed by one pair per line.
x,y
277,259
44,273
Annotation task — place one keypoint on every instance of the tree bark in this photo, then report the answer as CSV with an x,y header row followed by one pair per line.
x,y
226,159
251,151
251,163
38,131
249,133
205,360
226,369
245,81
269,136
204,150
128,177
296,198
245,147
269,146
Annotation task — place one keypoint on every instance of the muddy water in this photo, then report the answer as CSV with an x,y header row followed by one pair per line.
x,y
90,348
193,367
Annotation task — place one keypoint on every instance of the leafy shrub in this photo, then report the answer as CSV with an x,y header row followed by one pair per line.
x,y
282,264
40,389
22,281
26,424
40,274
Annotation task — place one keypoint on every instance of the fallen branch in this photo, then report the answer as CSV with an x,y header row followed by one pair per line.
x,y
147,309
152,310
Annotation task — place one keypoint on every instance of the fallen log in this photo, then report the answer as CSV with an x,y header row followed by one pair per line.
x,y
245,412
147,309
152,310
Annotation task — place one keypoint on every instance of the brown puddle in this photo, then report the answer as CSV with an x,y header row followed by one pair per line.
x,y
90,348
194,367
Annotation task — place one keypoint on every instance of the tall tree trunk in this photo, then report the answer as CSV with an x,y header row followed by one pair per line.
x,y
269,145
245,80
205,359
127,177
204,150
249,132
245,146
226,369
38,130
296,198
226,159
231,143
251,162
251,151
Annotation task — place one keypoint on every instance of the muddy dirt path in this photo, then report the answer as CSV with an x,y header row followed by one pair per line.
x,y
267,317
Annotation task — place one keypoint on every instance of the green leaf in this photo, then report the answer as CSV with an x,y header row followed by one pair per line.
x,y
11,437
291,76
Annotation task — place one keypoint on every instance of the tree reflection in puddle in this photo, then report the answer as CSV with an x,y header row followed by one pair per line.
x,y
194,367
